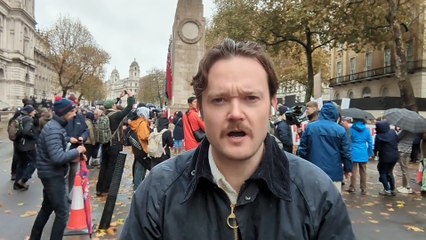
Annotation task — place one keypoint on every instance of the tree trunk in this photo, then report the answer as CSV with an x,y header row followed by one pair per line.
x,y
405,87
310,67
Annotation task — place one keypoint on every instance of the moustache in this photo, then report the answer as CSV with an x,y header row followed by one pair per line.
x,y
237,128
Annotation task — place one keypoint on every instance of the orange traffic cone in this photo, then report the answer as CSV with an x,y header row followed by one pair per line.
x,y
77,220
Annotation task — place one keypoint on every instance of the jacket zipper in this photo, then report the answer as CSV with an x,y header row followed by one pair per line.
x,y
231,220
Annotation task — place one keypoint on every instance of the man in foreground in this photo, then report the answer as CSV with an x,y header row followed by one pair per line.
x,y
237,184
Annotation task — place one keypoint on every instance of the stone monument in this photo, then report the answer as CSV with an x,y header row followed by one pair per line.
x,y
187,49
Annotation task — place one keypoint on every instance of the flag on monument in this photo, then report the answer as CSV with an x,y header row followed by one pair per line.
x,y
169,74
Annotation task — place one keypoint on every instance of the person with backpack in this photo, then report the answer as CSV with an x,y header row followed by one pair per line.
x,y
26,148
178,133
283,130
139,127
112,146
161,141
14,127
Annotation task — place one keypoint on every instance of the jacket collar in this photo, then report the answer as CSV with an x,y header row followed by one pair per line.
x,y
60,120
273,169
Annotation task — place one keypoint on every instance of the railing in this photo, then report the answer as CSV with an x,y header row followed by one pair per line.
x,y
372,74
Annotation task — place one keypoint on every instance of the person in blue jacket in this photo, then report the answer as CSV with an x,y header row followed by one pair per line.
x,y
325,144
386,148
362,150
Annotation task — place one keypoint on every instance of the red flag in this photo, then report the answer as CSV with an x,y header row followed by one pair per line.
x,y
169,74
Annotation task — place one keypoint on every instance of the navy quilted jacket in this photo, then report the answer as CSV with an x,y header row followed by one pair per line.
x,y
52,159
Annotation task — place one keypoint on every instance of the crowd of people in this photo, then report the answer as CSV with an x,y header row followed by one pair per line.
x,y
348,145
55,139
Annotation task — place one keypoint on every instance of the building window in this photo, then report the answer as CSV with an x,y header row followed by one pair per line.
x,y
384,92
352,68
366,92
336,96
350,94
1,73
339,71
26,41
387,60
368,64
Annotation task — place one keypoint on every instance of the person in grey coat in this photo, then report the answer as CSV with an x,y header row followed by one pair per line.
x,y
53,163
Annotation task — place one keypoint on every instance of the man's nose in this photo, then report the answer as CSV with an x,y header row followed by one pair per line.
x,y
235,111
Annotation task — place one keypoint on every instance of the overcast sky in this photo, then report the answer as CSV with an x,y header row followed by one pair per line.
x,y
126,29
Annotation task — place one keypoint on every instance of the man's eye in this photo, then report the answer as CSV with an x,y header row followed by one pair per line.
x,y
252,98
218,100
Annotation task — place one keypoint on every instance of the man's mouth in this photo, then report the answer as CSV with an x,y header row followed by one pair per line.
x,y
236,134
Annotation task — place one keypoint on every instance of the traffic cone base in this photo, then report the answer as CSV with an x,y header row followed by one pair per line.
x,y
77,220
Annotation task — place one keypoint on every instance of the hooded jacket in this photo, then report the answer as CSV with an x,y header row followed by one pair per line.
x,y
141,127
361,142
285,198
325,144
386,143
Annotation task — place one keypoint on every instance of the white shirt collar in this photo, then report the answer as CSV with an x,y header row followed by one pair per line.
x,y
220,180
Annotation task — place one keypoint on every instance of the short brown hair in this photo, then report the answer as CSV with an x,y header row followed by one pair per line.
x,y
312,104
225,50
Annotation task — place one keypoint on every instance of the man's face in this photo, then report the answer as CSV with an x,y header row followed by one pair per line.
x,y
194,104
310,110
236,107
33,113
69,115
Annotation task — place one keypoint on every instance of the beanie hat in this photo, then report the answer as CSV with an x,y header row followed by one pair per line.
x,y
108,103
28,108
63,106
282,109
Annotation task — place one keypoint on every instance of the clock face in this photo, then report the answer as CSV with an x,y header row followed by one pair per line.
x,y
189,31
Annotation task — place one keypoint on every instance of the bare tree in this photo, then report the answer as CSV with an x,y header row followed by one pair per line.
x,y
152,88
73,53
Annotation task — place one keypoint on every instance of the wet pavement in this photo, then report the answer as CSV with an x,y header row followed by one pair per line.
x,y
373,216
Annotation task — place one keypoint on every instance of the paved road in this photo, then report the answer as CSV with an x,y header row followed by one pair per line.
x,y
373,216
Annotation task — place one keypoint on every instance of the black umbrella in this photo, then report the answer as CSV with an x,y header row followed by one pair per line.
x,y
356,113
406,119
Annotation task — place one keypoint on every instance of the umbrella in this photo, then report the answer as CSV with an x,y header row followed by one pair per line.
x,y
357,113
406,119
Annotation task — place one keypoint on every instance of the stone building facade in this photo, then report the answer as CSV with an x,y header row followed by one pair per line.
x,y
24,71
115,85
371,73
